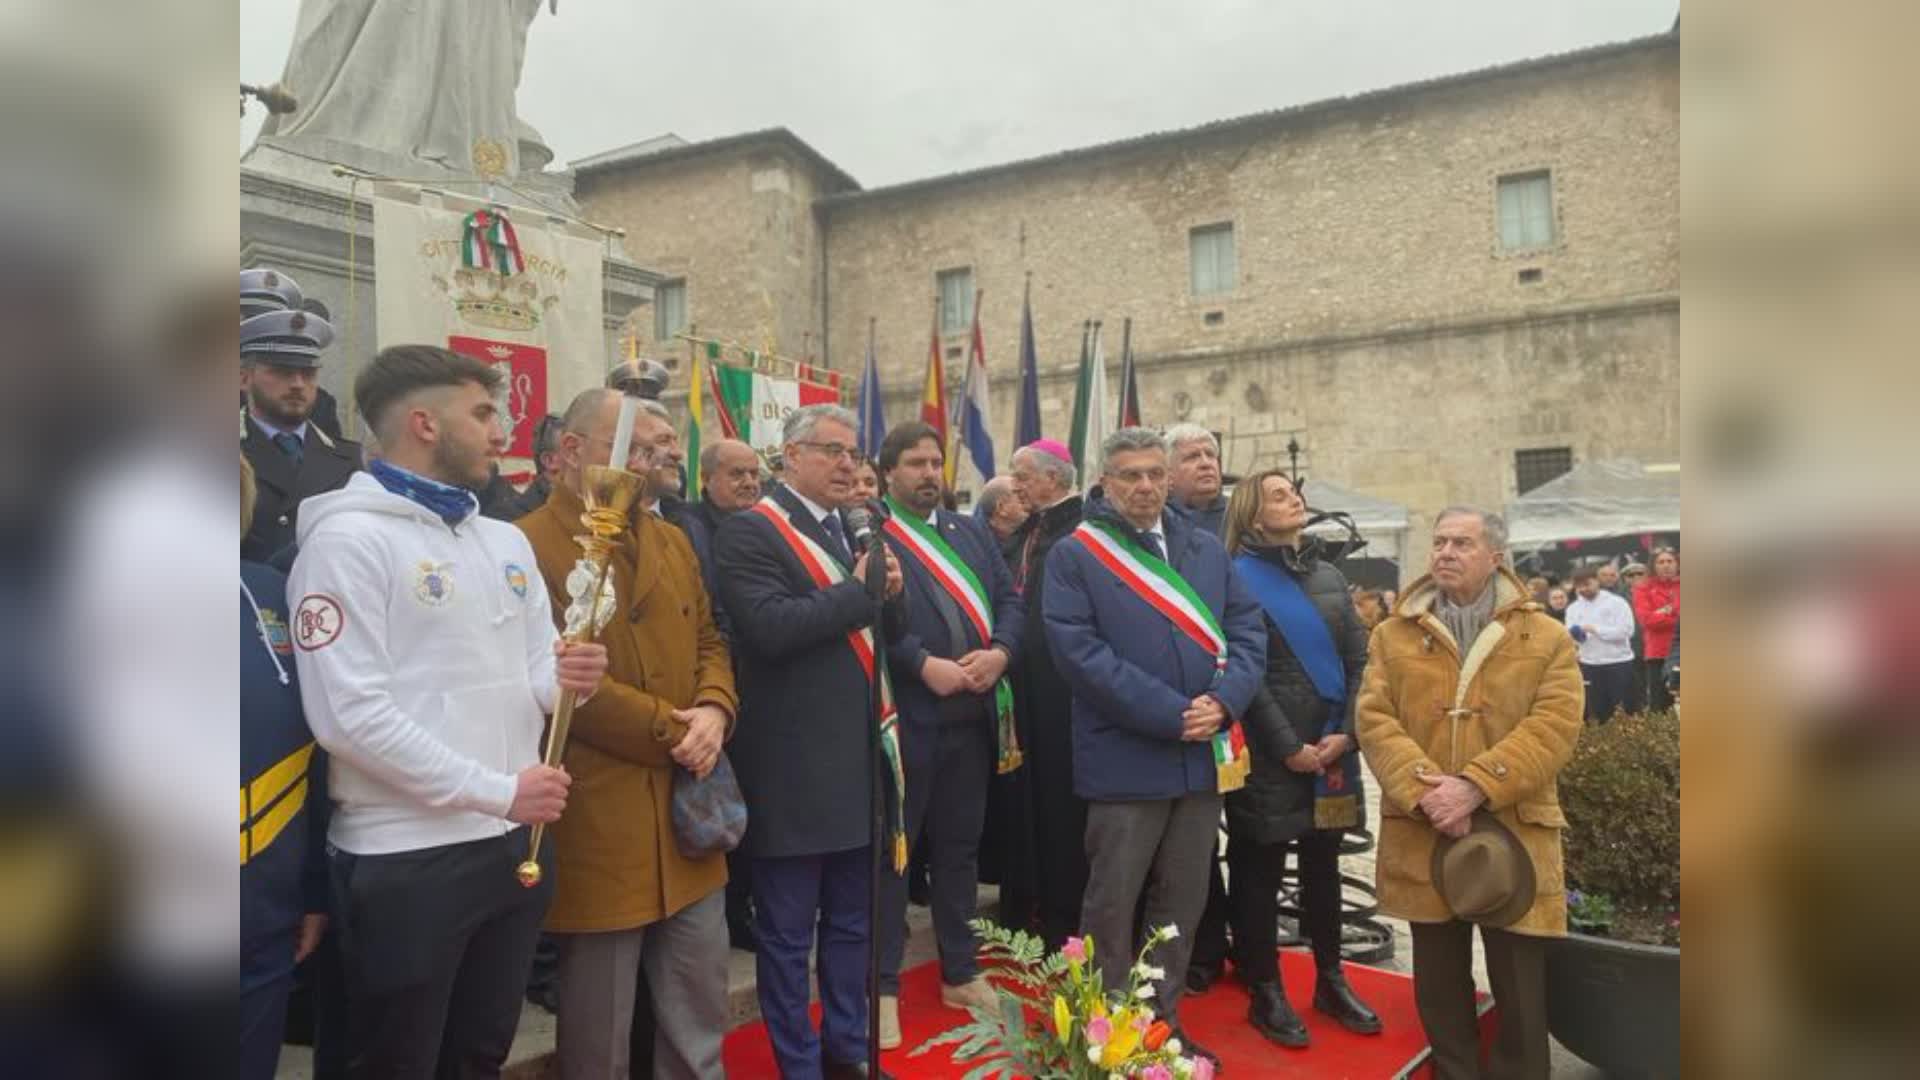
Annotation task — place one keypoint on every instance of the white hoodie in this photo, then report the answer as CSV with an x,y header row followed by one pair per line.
x,y
426,666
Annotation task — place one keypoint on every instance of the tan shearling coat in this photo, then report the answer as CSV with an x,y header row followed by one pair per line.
x,y
616,865
1506,719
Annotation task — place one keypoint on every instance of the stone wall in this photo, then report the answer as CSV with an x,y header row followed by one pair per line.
x,y
1374,315
1351,218
738,227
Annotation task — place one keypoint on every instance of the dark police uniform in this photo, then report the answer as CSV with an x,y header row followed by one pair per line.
x,y
313,461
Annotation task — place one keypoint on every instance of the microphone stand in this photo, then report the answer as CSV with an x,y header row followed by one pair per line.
x,y
876,802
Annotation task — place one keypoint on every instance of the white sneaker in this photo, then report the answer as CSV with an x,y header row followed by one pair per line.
x,y
889,1022
978,994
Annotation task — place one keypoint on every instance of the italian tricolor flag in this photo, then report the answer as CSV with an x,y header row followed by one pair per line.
x,y
758,403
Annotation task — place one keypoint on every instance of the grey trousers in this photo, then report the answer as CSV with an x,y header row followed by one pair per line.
x,y
1160,845
948,795
686,960
1443,991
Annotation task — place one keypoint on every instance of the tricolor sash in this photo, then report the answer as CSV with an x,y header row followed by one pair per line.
x,y
1156,582
826,571
953,574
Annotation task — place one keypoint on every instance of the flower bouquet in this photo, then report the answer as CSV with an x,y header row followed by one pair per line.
x,y
1055,1020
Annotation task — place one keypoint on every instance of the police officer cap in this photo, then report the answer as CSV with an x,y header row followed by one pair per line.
x,y
285,338
262,291
640,377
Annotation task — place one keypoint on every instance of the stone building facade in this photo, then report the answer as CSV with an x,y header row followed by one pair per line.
x,y
1441,291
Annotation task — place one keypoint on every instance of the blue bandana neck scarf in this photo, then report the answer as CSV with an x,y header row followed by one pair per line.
x,y
452,504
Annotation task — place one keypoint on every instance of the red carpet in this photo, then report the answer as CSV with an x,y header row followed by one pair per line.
x,y
1217,1019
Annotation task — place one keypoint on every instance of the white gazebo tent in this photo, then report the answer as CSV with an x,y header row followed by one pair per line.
x,y
1596,501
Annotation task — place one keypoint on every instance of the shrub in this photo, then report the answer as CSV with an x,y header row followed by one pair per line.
x,y
1621,794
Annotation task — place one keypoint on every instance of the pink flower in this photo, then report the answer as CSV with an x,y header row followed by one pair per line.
x,y
1202,1068
1075,950
1156,1072
1099,1030
1140,1022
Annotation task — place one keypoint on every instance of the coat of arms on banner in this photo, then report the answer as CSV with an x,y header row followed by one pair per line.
x,y
490,286
525,295
526,385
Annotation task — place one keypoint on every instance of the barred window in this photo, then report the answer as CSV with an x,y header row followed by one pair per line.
x,y
1531,468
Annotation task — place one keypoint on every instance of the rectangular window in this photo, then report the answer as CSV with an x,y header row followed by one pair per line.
x,y
1531,468
669,309
1526,211
1211,247
956,300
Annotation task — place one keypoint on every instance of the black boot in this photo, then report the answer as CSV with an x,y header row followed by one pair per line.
x,y
1271,1016
1201,977
1332,995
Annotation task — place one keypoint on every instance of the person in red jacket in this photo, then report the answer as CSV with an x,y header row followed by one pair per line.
x,y
1656,603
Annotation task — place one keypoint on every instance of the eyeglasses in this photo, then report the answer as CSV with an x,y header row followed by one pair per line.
x,y
833,449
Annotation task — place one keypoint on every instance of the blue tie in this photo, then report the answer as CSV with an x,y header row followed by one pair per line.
x,y
836,539
1151,541
290,445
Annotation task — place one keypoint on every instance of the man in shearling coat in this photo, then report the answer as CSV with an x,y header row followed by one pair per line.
x,y
624,895
1472,702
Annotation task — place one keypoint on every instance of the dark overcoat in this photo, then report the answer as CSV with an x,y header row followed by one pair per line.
x,y
801,749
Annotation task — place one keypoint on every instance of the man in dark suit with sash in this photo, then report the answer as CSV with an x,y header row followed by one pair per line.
x,y
803,642
956,709
292,458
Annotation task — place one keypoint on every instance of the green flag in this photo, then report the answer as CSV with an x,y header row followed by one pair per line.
x,y
1089,404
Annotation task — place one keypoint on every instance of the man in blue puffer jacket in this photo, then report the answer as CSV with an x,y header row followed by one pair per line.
x,y
1164,649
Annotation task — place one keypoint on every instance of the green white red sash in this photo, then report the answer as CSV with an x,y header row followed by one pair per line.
x,y
1161,587
952,574
826,571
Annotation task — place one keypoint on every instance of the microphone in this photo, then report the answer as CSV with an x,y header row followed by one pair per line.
x,y
863,523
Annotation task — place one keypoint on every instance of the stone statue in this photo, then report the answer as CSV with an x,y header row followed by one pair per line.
x,y
411,89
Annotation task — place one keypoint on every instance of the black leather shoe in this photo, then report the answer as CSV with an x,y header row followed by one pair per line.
x,y
1189,1048
1201,977
1332,995
855,1071
1271,1016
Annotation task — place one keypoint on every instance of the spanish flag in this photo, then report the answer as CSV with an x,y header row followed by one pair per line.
x,y
933,397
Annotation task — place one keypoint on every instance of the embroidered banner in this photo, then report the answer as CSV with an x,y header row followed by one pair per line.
x,y
508,286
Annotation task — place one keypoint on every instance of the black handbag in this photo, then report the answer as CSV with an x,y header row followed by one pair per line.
x,y
709,815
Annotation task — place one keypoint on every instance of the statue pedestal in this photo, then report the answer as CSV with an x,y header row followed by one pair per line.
x,y
300,220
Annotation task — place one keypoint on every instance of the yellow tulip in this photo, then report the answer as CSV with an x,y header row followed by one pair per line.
x,y
1062,1017
1125,1039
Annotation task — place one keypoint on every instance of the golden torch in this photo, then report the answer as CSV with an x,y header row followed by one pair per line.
x,y
609,494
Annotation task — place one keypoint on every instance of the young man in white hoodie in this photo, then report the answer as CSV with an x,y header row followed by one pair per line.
x,y
428,661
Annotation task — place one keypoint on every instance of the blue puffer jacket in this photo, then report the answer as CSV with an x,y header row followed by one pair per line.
x,y
1133,674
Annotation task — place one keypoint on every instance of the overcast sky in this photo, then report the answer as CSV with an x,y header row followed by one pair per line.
x,y
894,90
